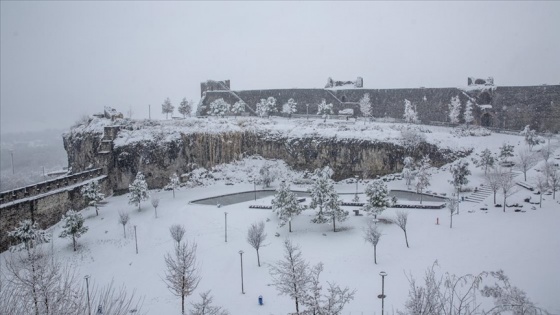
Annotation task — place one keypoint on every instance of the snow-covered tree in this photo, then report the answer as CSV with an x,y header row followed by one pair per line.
x,y
525,161
506,151
452,206
372,235
290,107
492,179
377,197
262,108
185,107
73,226
28,234
552,173
256,237
325,109
423,176
177,232
410,114
219,108
401,219
181,275
408,175
205,307
459,172
286,205
506,186
92,193
331,303
454,110
541,184
267,175
411,138
486,160
123,220
290,275
531,137
174,182
238,108
155,203
324,197
167,108
365,106
138,190
468,114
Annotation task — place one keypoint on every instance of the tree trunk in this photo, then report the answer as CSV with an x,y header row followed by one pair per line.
x,y
334,223
458,200
540,201
124,231
173,193
96,210
183,304
258,258
35,298
494,197
297,305
406,239
451,222
290,225
74,241
504,202
138,205
375,254
525,175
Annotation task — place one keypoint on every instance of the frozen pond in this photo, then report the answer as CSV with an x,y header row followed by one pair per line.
x,y
245,196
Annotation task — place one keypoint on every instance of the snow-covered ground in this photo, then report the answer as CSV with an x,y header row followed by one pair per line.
x,y
526,245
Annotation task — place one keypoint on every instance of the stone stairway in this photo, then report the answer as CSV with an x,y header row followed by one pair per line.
x,y
484,191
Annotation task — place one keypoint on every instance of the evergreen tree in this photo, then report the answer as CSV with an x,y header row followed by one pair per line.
x,y
531,137
506,151
27,235
407,172
372,235
262,108
377,197
73,226
468,114
460,171
324,197
454,110
290,107
219,107
138,190
423,176
365,106
185,108
286,205
410,114
238,108
167,108
486,159
92,193
174,183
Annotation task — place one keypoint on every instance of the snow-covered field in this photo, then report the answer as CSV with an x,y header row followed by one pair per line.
x,y
526,245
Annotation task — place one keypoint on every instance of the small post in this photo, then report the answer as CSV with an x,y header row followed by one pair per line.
x,y
136,239
255,188
382,295
241,256
437,221
12,153
307,105
87,290
225,214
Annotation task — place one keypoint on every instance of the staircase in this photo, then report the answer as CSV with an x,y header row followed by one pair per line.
x,y
484,191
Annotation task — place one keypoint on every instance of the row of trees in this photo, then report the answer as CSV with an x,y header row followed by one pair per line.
x,y
185,107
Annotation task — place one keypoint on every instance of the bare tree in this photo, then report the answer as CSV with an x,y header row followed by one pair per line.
x,y
553,174
155,203
331,303
177,232
123,219
400,220
506,185
372,235
256,237
205,306
493,180
181,275
545,153
542,186
525,160
290,276
452,205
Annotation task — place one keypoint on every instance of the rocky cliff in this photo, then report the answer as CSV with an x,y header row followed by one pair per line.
x,y
159,149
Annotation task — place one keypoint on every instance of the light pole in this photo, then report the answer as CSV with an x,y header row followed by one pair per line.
x,y
225,213
87,290
307,105
382,296
241,256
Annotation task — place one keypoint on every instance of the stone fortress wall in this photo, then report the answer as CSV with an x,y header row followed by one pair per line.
x,y
507,107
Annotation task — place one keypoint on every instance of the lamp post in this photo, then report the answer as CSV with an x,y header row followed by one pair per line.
x,y
241,256
87,290
307,105
382,296
225,213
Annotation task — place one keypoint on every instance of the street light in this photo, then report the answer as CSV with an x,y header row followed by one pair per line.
x,y
382,296
87,290
241,256
225,213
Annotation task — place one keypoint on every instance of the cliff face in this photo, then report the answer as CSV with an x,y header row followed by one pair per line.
x,y
160,156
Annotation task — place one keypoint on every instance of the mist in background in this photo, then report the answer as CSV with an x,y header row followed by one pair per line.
x,y
61,60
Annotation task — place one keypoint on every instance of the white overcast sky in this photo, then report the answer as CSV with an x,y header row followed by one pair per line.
x,y
61,60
